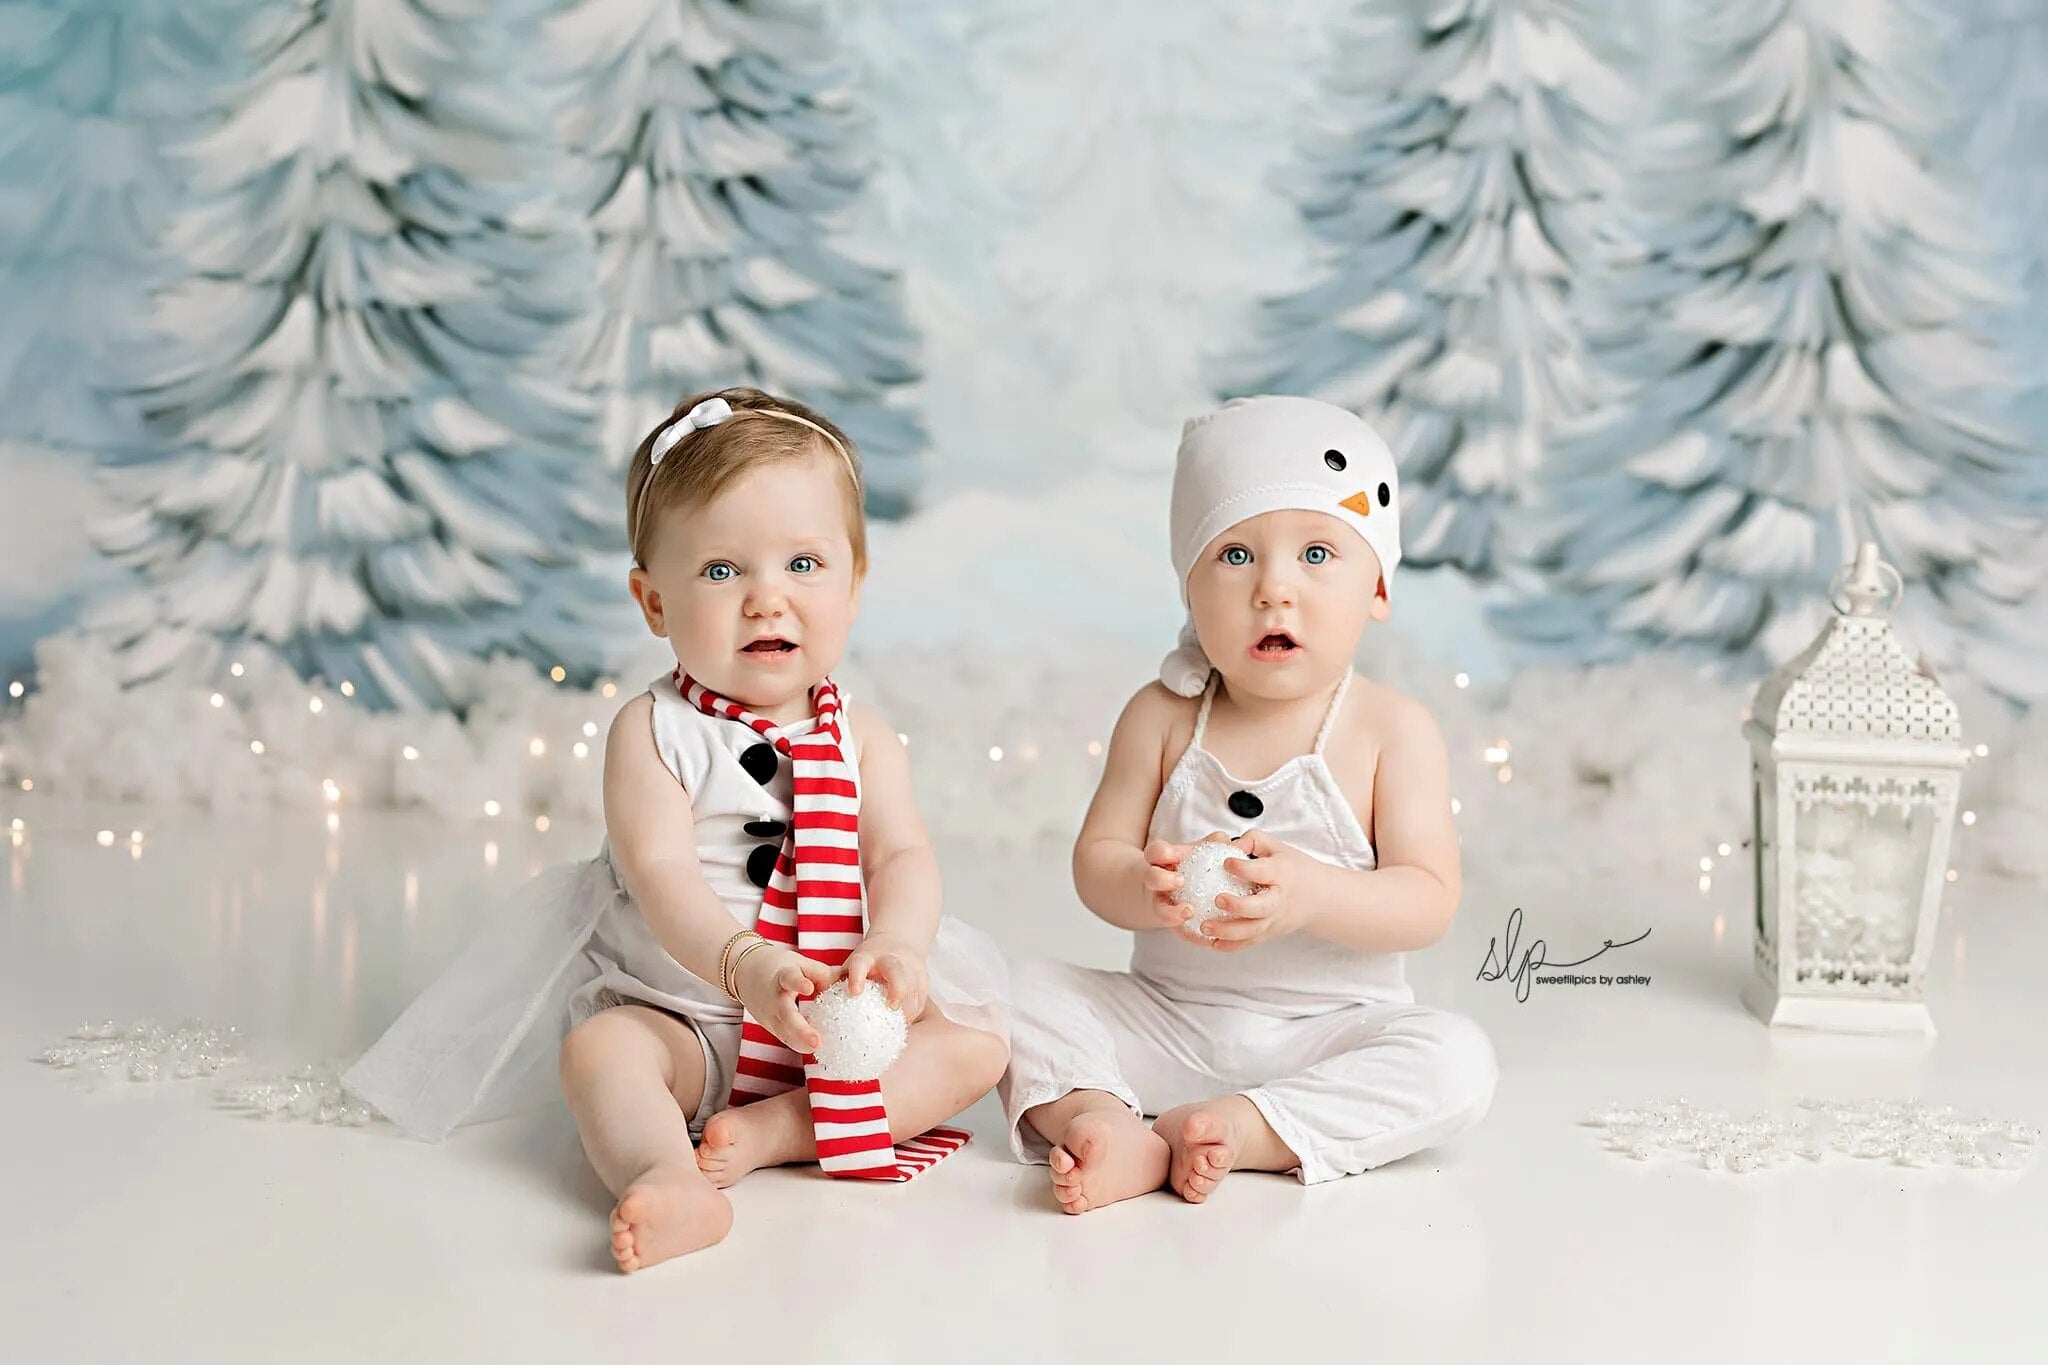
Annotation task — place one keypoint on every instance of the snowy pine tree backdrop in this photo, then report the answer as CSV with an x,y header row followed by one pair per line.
x,y
1801,338
374,466
1459,165
720,158
91,92
1042,241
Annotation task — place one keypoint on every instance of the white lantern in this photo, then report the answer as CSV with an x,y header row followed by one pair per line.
x,y
1856,755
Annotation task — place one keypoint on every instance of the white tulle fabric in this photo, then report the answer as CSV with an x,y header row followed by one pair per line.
x,y
480,1042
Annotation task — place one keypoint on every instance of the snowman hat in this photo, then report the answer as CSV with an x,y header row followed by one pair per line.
x,y
1268,454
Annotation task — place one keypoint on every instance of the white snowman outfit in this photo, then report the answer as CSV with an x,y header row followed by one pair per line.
x,y
481,1040
1326,1041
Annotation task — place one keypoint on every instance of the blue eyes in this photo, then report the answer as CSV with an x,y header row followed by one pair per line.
x,y
718,571
1236,556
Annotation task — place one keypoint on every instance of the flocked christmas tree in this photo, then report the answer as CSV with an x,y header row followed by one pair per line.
x,y
1801,368
89,92
374,467
717,153
1464,158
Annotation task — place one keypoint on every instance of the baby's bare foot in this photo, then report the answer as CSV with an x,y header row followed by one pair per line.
x,y
668,1211
1105,1157
739,1141
1205,1140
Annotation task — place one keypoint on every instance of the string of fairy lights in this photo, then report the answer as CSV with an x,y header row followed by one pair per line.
x,y
1498,756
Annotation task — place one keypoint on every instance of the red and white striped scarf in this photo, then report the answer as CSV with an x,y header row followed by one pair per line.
x,y
813,904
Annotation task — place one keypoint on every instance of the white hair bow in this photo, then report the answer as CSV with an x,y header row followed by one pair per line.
x,y
708,413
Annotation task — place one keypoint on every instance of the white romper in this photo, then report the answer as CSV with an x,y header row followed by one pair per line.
x,y
481,1040
1326,1040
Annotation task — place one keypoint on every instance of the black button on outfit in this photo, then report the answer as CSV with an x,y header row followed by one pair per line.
x,y
761,864
759,761
1246,806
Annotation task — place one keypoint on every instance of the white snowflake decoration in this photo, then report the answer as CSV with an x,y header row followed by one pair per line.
x,y
1903,1132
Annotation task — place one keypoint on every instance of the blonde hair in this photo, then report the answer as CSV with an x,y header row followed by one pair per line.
x,y
699,465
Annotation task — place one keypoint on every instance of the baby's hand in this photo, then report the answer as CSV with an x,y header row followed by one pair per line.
x,y
771,981
1164,883
896,966
1273,910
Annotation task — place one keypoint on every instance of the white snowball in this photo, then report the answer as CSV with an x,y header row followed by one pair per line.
x,y
859,1036
1202,869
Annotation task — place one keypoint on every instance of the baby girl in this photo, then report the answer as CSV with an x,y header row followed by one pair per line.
x,y
763,843
1271,1031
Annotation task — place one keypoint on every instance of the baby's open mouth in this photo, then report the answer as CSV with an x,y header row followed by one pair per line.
x,y
771,646
1276,645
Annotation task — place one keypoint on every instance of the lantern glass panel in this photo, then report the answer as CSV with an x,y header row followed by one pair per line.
x,y
1863,845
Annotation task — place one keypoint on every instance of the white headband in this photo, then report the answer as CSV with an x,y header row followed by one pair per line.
x,y
710,413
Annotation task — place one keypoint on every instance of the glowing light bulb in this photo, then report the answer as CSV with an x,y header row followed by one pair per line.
x,y
491,854
558,673
491,808
27,785
1456,805
1983,750
1507,774
348,689
216,701
1951,874
580,749
537,746
590,729
409,753
134,836
15,688
540,822
19,824
1463,680
330,789
1725,850
1706,864
106,838
1969,817
1706,884
333,821
256,747
995,754
1094,748
315,705
609,690
235,668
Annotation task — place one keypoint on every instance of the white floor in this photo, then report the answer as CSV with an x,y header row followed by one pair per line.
x,y
139,1223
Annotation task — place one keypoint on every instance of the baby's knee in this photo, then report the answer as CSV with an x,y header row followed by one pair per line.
x,y
984,1057
593,1044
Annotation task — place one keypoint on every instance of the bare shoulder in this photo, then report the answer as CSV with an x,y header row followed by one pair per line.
x,y
1156,724
1382,719
872,732
635,720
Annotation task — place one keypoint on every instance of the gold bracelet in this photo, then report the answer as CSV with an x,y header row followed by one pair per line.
x,y
725,960
759,942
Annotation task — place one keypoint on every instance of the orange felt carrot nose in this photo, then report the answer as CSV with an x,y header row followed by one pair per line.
x,y
1359,502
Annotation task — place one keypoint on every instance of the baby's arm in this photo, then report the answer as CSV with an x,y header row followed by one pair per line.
x,y
1407,901
652,829
1118,877
904,892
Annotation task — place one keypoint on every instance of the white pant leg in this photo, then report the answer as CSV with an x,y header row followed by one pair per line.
x,y
1376,1083
1075,1028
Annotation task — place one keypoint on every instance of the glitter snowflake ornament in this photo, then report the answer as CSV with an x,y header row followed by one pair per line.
x,y
1899,1132
145,1051
1204,879
859,1036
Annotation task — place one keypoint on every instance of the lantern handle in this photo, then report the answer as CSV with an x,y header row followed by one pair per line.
x,y
1867,587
